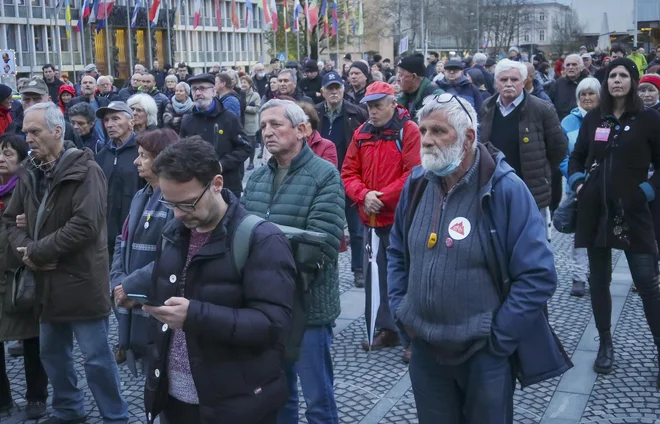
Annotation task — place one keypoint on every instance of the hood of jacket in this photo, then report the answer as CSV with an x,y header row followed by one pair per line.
x,y
74,166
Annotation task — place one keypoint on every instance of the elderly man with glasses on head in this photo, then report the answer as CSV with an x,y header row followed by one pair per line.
x,y
465,224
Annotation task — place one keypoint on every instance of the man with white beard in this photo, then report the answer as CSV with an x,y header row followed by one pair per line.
x,y
469,273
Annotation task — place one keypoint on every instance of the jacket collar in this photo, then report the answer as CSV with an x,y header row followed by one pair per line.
x,y
395,124
217,110
129,143
301,159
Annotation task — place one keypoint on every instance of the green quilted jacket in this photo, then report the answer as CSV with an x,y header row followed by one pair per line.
x,y
310,197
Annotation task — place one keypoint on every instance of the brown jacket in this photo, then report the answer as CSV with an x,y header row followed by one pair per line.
x,y
73,233
13,326
542,143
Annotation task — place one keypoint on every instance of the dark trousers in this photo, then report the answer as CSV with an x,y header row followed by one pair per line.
x,y
177,412
254,144
35,375
356,232
643,270
556,190
384,320
479,391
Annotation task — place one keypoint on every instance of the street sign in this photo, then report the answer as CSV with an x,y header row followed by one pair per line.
x,y
403,45
281,56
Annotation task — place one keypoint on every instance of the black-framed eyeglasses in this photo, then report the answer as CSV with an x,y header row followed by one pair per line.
x,y
183,206
438,97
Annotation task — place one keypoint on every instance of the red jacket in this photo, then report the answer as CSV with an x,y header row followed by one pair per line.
x,y
374,161
323,148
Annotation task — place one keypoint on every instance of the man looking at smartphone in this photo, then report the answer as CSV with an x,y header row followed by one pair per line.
x,y
219,345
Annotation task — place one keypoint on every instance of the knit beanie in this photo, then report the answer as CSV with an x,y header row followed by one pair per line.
x,y
414,64
361,66
626,63
651,79
5,92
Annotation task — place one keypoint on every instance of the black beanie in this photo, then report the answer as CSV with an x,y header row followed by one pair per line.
x,y
626,63
5,92
414,64
361,66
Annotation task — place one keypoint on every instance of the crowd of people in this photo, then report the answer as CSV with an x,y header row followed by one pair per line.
x,y
131,201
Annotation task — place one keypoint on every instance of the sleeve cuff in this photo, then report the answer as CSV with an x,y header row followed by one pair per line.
x,y
575,179
648,190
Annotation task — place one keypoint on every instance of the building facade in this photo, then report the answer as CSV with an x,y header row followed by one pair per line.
x,y
31,29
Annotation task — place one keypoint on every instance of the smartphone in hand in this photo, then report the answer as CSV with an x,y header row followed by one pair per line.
x,y
142,299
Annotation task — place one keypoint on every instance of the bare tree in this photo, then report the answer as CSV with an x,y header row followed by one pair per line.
x,y
501,21
567,33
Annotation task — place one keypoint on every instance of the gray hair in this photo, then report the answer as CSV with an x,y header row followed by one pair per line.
x,y
138,66
52,114
83,109
507,64
377,76
292,111
589,83
575,56
171,78
149,105
102,77
480,59
450,105
183,84
291,72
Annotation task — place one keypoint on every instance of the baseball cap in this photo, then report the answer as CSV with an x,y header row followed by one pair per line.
x,y
330,78
274,60
377,91
586,56
35,86
114,107
311,66
90,68
292,64
454,63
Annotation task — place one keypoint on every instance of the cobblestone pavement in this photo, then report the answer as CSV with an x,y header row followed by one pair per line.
x,y
376,388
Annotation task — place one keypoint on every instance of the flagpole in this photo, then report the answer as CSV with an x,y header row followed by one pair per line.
x,y
318,43
150,53
309,29
298,43
169,37
82,44
186,17
107,38
56,32
337,39
130,40
204,46
73,61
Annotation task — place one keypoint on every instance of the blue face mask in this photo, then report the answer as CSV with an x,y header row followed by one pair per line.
x,y
448,169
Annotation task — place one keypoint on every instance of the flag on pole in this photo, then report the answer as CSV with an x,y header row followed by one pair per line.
x,y
58,7
249,13
263,4
218,14
138,5
84,12
312,16
335,23
286,17
296,16
234,15
324,13
67,18
273,15
198,11
153,12
95,11
105,7
360,28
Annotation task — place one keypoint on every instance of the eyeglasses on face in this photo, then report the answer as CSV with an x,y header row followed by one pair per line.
x,y
201,88
184,206
446,98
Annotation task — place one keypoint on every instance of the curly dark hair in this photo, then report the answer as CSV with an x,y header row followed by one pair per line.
x,y
190,158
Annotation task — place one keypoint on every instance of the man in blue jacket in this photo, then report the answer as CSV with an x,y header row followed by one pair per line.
x,y
469,273
456,83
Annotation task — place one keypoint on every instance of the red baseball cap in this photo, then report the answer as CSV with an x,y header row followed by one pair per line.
x,y
650,78
377,91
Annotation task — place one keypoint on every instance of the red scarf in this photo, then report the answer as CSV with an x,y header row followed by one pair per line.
x,y
5,119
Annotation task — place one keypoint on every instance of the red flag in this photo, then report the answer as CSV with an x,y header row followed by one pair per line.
x,y
234,15
218,14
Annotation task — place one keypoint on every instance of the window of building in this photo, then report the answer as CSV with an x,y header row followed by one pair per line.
x,y
526,37
12,37
542,16
542,35
525,17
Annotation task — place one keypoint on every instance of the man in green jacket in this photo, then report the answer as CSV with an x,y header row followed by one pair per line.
x,y
415,87
299,189
639,59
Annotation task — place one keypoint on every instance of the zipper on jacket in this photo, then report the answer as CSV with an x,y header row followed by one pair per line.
x,y
440,227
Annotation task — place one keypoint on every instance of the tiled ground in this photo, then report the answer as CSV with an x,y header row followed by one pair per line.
x,y
628,395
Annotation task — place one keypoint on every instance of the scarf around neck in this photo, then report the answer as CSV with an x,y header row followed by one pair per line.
x,y
4,189
182,107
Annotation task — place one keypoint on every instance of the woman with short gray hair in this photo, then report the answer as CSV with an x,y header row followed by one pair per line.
x,y
83,120
170,85
180,105
145,112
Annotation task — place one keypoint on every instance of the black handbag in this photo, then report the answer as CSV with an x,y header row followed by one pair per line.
x,y
565,217
24,290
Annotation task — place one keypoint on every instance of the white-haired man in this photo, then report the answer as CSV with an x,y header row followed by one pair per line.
x,y
469,273
105,89
64,245
562,91
307,194
526,129
480,60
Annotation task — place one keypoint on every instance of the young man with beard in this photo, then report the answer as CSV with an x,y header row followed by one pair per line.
x,y
380,157
215,124
464,225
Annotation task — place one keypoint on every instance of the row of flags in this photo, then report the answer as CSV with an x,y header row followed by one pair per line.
x,y
97,11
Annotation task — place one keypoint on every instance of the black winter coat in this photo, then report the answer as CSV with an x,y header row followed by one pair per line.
x,y
261,84
123,183
161,101
312,86
562,94
354,116
236,326
54,89
223,130
542,143
613,208
126,93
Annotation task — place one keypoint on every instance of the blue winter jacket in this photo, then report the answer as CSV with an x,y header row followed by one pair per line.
x,y
465,90
571,126
521,255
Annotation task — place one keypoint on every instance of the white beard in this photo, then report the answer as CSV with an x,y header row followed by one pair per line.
x,y
436,159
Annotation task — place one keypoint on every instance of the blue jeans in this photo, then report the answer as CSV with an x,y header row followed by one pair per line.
x,y
100,369
479,391
356,232
316,378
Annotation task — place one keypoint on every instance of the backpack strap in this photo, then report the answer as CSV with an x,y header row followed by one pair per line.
x,y
240,241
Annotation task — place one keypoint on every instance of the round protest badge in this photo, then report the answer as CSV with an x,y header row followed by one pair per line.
x,y
459,228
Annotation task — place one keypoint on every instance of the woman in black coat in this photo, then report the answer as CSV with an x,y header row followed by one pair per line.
x,y
616,144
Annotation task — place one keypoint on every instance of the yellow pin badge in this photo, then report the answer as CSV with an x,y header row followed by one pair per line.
x,y
220,132
433,238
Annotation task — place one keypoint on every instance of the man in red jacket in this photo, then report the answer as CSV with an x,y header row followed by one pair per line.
x,y
379,159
